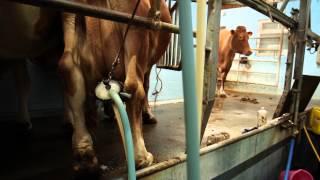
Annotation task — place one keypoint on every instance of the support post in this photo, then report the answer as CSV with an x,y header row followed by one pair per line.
x,y
289,63
300,51
289,70
291,52
212,44
200,56
189,91
284,5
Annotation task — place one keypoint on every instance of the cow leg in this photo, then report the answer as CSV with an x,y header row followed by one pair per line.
x,y
75,97
134,85
147,115
222,93
224,73
22,81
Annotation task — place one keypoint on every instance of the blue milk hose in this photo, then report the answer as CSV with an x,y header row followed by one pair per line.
x,y
127,133
288,167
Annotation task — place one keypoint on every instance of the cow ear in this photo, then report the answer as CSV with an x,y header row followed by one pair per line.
x,y
232,31
250,33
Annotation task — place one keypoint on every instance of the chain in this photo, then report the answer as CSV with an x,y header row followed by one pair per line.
x,y
117,59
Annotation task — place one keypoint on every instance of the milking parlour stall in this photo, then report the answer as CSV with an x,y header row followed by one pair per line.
x,y
160,89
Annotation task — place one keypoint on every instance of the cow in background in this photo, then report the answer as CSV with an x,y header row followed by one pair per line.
x,y
230,43
25,34
91,46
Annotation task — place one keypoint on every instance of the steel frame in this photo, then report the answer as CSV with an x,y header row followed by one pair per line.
x,y
299,29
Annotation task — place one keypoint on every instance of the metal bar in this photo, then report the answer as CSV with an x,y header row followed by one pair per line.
x,y
103,13
300,52
284,5
258,60
177,46
200,55
313,35
264,49
189,91
267,10
253,72
279,55
212,44
277,15
289,67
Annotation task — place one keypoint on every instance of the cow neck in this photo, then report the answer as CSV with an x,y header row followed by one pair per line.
x,y
230,48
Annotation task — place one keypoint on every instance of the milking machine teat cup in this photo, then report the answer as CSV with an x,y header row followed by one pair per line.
x,y
102,90
262,117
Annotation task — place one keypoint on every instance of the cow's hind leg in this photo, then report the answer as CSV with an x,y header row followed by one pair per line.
x,y
22,81
134,85
85,160
75,96
147,115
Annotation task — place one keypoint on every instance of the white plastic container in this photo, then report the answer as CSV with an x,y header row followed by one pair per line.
x,y
262,117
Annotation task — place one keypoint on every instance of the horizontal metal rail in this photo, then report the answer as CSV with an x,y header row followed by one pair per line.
x,y
271,12
103,13
313,36
276,14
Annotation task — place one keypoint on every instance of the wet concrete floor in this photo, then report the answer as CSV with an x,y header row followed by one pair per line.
x,y
45,152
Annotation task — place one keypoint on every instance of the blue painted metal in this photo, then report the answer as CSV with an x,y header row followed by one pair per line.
x,y
288,167
127,133
189,90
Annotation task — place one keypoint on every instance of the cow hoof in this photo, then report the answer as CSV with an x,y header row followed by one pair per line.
x,y
223,95
149,119
144,161
85,163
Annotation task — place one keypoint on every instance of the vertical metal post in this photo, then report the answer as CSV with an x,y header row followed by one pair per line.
x,y
289,67
289,70
279,55
200,54
212,44
284,5
189,91
300,51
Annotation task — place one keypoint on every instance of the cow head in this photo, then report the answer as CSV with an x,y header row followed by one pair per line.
x,y
240,42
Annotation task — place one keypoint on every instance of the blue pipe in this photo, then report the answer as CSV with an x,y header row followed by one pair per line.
x,y
189,90
288,167
127,133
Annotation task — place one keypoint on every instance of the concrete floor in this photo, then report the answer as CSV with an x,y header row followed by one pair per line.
x,y
232,114
45,153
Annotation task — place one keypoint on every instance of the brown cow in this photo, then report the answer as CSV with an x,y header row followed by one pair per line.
x,y
231,42
91,46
